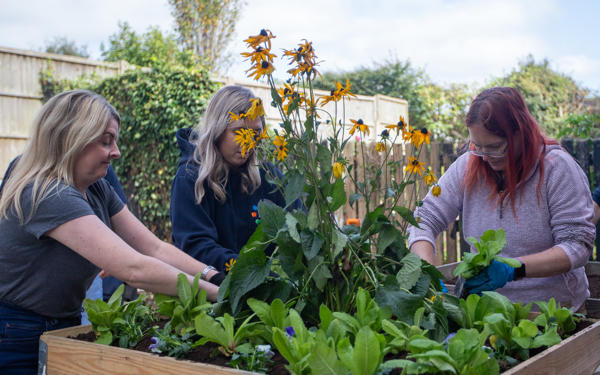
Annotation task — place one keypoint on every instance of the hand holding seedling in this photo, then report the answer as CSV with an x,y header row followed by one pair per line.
x,y
485,270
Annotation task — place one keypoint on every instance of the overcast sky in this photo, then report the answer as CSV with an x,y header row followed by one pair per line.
x,y
462,41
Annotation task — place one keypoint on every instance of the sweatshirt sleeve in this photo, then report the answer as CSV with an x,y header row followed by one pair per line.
x,y
436,213
571,208
194,230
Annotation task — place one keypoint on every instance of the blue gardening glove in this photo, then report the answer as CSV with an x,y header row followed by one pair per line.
x,y
494,276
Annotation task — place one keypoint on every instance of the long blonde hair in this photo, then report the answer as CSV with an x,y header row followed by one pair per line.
x,y
212,168
63,127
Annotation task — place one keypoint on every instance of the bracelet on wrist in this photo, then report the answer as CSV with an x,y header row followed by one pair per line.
x,y
205,272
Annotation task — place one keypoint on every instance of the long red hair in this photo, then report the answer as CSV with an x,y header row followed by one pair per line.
x,y
502,111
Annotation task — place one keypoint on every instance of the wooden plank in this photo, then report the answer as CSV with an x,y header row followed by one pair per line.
x,y
448,269
592,308
582,155
567,144
67,356
592,268
578,354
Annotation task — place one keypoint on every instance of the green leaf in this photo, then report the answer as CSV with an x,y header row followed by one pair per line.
x,y
251,271
407,215
354,197
115,298
291,223
338,194
184,290
549,338
313,216
323,360
410,272
387,236
339,241
367,353
272,217
294,187
211,329
402,303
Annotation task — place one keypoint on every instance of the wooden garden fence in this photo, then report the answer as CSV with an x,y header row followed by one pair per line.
x,y
439,156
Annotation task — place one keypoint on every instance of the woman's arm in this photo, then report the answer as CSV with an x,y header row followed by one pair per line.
x,y
90,238
423,249
132,231
550,262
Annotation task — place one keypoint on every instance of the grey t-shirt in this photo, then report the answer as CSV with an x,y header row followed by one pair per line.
x,y
40,274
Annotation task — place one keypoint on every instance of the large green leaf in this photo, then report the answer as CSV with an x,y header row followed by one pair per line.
x,y
294,187
252,268
403,304
323,360
387,235
410,272
272,217
367,353
338,195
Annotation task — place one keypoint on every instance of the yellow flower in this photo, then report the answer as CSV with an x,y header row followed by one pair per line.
x,y
429,178
256,109
233,117
245,138
229,264
339,92
259,70
436,191
337,169
380,147
400,126
360,125
414,166
259,55
280,144
264,36
433,298
493,339
420,136
262,135
407,133
303,68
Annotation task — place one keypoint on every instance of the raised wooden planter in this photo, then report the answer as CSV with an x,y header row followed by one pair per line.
x,y
59,355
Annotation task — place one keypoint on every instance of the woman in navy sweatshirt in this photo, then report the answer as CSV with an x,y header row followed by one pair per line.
x,y
216,188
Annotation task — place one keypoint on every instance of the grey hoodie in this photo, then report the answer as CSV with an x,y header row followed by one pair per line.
x,y
562,217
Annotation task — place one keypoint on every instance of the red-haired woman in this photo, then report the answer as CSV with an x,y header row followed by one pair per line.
x,y
517,179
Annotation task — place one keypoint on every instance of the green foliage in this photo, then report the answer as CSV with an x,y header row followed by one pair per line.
x,y
585,125
488,247
151,49
550,96
126,323
64,46
206,28
552,314
222,330
183,309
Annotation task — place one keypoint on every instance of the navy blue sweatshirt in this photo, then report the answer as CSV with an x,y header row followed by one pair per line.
x,y
213,232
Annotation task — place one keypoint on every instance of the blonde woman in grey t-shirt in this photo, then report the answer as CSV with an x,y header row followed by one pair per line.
x,y
61,222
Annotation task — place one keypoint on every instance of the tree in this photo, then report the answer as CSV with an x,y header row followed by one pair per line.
x,y
550,96
64,46
150,49
206,27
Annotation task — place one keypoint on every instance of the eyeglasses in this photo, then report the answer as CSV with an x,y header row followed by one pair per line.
x,y
496,152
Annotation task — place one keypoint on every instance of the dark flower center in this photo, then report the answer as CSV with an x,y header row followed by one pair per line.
x,y
332,92
265,64
259,49
360,122
401,124
385,133
286,91
424,131
263,32
415,162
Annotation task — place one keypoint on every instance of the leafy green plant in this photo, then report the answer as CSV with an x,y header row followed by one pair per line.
x,y
128,322
552,314
183,309
488,247
222,330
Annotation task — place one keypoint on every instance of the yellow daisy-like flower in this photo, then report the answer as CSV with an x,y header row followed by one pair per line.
x,y
337,169
407,134
304,68
339,92
229,264
420,136
360,125
265,68
380,147
436,191
256,109
280,144
245,138
433,298
429,178
233,117
264,36
414,166
259,55
400,126
262,135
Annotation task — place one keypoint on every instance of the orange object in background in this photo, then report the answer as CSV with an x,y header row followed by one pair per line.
x,y
353,221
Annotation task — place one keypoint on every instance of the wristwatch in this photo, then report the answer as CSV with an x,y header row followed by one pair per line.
x,y
520,272
205,272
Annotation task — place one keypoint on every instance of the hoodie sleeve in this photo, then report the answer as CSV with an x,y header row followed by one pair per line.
x,y
194,230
